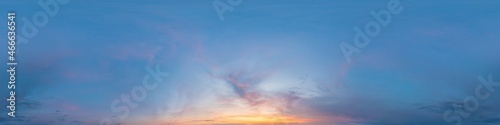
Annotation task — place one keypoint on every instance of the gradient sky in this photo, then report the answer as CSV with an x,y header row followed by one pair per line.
x,y
267,62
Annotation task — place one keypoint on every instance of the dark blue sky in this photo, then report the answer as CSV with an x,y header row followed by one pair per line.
x,y
264,62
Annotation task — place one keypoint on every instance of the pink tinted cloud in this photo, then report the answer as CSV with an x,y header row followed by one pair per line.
x,y
245,83
191,40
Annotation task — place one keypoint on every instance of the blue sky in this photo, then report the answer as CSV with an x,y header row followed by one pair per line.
x,y
267,62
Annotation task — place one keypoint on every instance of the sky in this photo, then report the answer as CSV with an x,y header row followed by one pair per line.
x,y
265,62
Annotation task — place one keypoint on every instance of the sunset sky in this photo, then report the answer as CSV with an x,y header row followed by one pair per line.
x,y
267,62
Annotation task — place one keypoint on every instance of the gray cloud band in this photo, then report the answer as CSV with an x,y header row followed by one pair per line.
x,y
471,104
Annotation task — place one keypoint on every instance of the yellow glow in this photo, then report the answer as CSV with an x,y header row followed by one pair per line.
x,y
250,120
263,120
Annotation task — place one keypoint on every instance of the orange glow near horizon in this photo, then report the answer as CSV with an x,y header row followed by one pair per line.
x,y
262,120
251,109
251,120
